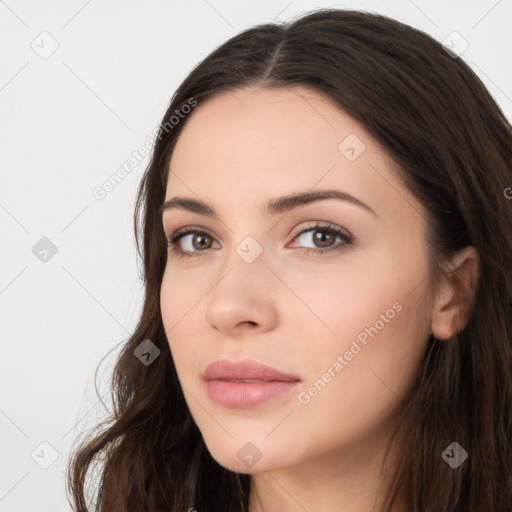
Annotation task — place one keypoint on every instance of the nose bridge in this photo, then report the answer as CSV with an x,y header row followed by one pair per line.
x,y
240,296
250,250
246,262
246,239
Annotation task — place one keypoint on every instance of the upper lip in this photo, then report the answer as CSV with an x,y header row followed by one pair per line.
x,y
223,369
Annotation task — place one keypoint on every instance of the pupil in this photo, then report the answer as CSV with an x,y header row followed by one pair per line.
x,y
322,236
202,238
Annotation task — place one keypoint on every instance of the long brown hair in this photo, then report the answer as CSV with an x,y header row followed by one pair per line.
x,y
452,147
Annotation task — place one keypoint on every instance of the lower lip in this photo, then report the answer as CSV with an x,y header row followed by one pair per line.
x,y
243,395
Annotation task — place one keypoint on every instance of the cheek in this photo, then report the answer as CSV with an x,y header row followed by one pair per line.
x,y
179,300
181,292
339,299
379,315
354,389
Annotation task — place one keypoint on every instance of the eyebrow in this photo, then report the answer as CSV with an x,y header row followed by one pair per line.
x,y
273,207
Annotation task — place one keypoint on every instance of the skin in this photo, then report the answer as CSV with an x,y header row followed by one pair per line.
x,y
295,311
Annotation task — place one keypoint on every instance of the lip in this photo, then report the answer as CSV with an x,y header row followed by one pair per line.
x,y
223,369
268,383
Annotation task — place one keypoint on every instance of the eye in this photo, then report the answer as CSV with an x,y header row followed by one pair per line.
x,y
196,240
193,239
326,242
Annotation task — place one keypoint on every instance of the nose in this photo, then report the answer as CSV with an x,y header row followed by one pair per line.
x,y
240,302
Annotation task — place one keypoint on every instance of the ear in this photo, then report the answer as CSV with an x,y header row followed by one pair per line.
x,y
453,303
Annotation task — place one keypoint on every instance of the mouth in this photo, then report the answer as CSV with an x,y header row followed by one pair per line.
x,y
248,380
244,384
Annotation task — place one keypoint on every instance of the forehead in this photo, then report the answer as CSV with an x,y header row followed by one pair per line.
x,y
255,143
288,123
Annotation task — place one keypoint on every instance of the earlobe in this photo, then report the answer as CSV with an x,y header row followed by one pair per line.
x,y
454,301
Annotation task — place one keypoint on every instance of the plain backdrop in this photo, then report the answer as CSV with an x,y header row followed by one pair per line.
x,y
83,84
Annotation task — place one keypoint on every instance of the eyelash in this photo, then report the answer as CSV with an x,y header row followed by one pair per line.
x,y
347,240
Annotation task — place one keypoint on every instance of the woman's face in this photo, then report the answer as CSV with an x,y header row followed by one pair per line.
x,y
349,324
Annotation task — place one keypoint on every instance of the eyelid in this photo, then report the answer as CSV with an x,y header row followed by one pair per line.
x,y
323,224
297,231
186,230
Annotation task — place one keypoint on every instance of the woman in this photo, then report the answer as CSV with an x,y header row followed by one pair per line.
x,y
326,237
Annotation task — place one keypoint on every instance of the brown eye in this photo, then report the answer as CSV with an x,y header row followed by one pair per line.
x,y
188,242
323,238
200,241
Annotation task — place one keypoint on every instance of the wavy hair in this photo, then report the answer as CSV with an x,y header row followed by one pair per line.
x,y
452,147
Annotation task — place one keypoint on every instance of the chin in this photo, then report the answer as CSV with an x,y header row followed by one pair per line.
x,y
242,456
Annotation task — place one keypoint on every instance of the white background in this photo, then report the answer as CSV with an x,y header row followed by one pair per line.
x,y
67,123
